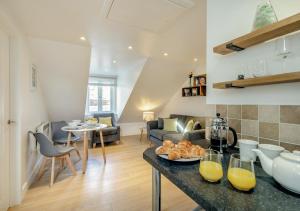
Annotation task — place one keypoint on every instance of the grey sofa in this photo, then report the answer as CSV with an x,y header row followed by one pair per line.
x,y
156,134
110,134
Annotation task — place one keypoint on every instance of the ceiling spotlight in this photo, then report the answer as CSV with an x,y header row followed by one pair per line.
x,y
195,60
130,47
83,38
166,54
114,61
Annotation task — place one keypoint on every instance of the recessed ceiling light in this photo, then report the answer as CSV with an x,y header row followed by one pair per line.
x,y
83,38
130,47
114,61
195,59
166,54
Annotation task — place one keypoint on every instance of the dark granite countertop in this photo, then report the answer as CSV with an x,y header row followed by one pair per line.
x,y
267,195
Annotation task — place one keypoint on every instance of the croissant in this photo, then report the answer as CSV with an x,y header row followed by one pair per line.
x,y
174,154
162,150
168,143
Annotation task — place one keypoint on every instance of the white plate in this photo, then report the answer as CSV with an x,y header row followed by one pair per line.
x,y
181,159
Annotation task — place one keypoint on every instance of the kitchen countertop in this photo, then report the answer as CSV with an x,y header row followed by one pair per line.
x,y
267,195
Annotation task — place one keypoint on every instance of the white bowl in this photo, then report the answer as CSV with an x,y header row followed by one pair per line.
x,y
77,121
272,151
73,124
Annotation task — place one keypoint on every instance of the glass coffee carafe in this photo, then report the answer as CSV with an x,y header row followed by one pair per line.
x,y
219,134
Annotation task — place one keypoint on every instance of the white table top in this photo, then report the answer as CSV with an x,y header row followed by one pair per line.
x,y
83,128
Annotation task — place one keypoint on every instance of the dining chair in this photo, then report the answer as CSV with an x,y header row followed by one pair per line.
x,y
61,137
51,152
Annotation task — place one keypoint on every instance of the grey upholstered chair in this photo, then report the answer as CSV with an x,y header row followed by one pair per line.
x,y
59,136
49,151
109,134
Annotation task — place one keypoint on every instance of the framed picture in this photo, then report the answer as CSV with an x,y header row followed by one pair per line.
x,y
202,80
33,78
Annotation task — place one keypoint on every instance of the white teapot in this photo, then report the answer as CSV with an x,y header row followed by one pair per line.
x,y
285,169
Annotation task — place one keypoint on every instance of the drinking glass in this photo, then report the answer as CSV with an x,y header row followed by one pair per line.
x,y
211,166
241,173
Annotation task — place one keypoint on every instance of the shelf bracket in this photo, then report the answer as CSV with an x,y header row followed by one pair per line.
x,y
233,47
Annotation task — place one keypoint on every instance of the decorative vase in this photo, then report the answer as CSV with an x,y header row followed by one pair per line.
x,y
265,15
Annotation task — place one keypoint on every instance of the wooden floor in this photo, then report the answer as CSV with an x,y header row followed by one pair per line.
x,y
124,183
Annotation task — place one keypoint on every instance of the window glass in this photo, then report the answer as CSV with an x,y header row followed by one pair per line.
x,y
101,96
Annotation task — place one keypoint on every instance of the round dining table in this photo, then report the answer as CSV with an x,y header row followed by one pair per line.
x,y
85,128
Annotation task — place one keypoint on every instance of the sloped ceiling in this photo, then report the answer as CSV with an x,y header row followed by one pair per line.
x,y
63,74
162,76
151,27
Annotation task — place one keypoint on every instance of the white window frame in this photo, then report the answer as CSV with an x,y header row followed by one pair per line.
x,y
100,85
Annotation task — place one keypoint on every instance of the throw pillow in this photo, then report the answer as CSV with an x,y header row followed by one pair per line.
x,y
197,126
170,125
106,121
160,123
189,126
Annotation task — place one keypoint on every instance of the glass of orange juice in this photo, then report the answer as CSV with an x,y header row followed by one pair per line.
x,y
241,173
211,166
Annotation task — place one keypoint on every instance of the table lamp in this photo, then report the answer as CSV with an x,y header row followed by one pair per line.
x,y
148,116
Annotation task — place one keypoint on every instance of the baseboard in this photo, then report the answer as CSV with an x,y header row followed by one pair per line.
x,y
32,176
132,128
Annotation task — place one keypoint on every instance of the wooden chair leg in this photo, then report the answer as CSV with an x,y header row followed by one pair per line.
x,y
94,145
52,171
62,162
78,154
42,168
70,164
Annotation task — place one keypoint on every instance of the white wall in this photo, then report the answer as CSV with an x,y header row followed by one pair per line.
x,y
30,109
229,19
126,82
64,70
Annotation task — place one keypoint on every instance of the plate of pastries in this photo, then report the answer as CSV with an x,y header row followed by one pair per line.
x,y
183,151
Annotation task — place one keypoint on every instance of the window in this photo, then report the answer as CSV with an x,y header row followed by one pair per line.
x,y
101,94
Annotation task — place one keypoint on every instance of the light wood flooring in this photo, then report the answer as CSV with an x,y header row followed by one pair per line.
x,y
124,183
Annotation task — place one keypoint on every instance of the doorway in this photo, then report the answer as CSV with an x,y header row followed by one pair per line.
x,y
4,120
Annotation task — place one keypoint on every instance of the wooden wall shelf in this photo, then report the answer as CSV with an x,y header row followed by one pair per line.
x,y
260,81
283,27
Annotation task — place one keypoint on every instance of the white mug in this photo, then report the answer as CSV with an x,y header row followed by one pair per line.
x,y
246,147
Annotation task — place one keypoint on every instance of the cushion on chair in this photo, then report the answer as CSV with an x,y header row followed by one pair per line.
x,y
159,134
110,131
106,121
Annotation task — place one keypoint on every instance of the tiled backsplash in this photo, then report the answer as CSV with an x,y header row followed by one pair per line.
x,y
265,123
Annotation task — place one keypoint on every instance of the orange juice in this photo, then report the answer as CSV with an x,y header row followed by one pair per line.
x,y
241,179
211,171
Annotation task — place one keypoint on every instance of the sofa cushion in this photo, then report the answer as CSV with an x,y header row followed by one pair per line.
x,y
159,134
174,137
109,131
160,123
170,125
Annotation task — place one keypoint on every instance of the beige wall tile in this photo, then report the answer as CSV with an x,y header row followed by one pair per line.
x,y
269,130
250,127
236,124
268,113
250,112
290,147
268,141
290,114
250,137
234,111
222,109
289,133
